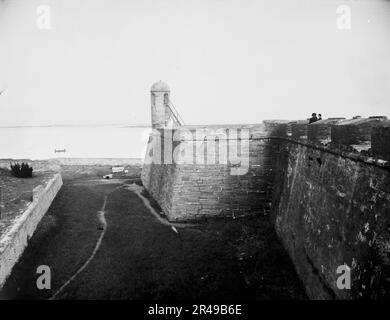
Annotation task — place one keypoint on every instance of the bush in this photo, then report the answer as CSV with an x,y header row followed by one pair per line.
x,y
21,170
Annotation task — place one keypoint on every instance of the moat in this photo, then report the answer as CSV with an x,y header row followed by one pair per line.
x,y
142,258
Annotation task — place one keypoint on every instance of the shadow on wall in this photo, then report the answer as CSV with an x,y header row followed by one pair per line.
x,y
331,211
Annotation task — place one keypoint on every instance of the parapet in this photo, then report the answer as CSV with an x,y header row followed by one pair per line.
x,y
299,129
355,133
276,128
266,129
320,131
380,140
364,138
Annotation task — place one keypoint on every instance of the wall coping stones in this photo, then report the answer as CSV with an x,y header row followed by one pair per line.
x,y
326,121
361,121
349,154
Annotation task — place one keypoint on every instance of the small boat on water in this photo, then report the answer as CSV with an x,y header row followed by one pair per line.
x,y
59,150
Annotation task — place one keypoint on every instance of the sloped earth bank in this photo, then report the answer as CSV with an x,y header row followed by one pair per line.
x,y
139,257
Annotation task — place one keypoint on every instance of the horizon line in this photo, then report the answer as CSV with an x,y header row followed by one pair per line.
x,y
142,125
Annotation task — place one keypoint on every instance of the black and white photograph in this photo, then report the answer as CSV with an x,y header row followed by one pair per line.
x,y
194,155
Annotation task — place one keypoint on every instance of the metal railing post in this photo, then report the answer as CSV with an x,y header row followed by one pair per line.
x,y
175,113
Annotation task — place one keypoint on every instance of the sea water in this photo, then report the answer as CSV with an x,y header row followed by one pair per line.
x,y
41,142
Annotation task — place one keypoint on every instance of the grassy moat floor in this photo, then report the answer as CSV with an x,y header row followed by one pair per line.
x,y
141,258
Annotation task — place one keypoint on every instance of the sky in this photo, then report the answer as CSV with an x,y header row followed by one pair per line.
x,y
226,61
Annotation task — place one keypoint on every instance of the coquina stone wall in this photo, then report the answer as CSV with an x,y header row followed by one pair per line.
x,y
381,141
331,210
228,176
329,202
14,241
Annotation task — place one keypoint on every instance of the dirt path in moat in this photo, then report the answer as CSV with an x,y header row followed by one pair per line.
x,y
139,257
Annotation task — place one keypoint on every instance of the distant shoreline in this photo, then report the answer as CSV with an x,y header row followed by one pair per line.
x,y
76,126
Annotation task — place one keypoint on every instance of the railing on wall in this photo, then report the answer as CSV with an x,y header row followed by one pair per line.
x,y
175,114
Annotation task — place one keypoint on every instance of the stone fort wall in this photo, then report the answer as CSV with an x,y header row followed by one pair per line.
x,y
328,196
333,208
230,175
331,205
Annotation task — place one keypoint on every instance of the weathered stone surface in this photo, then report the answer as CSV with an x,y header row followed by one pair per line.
x,y
196,190
14,241
299,129
380,141
330,211
320,131
355,132
330,207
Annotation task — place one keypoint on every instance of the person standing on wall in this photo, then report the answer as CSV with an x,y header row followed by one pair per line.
x,y
313,118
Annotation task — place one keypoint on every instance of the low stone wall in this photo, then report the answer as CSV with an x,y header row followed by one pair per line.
x,y
331,210
14,241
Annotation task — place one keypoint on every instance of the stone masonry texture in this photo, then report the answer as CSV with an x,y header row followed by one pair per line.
x,y
380,141
193,191
329,208
331,211
13,243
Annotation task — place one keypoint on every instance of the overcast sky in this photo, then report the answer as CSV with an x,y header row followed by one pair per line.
x,y
226,61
